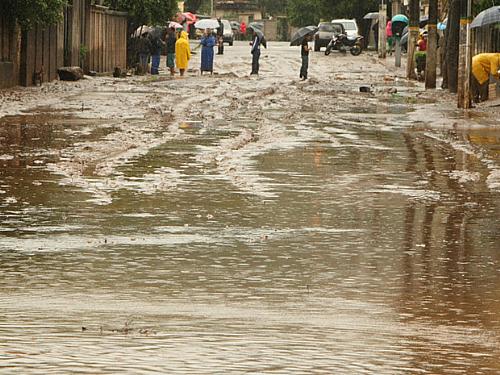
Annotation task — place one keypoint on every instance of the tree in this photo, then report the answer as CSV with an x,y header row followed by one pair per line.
x,y
452,43
412,38
30,12
348,8
304,12
273,7
309,12
145,12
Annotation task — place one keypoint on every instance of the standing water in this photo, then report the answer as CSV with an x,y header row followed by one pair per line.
x,y
261,225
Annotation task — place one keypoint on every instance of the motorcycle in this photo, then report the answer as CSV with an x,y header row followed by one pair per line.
x,y
343,43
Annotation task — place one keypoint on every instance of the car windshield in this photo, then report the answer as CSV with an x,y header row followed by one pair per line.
x,y
326,27
350,25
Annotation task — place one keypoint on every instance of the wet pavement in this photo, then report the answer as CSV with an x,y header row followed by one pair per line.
x,y
230,224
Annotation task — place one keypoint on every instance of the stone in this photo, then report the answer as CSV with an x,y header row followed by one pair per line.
x,y
70,73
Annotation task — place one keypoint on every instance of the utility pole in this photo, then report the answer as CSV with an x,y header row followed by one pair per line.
x,y
431,59
382,37
464,57
412,40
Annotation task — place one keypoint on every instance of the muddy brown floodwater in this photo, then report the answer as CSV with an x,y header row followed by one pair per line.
x,y
233,225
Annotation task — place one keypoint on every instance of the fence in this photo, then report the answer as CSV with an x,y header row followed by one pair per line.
x,y
487,39
90,36
8,53
107,46
42,53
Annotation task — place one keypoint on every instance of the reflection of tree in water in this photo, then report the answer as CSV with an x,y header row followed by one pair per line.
x,y
439,238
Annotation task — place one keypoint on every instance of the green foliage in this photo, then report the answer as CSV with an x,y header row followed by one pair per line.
x,y
83,52
348,8
309,12
31,12
273,7
146,12
304,12
480,5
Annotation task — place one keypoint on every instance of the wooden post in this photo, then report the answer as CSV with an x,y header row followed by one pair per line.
x,y
413,30
396,7
430,68
382,37
467,103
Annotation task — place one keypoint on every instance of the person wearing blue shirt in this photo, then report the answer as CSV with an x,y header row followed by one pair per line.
x,y
256,40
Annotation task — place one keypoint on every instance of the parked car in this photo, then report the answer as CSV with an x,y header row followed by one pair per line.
x,y
350,26
228,36
326,30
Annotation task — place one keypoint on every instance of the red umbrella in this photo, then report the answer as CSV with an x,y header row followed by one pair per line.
x,y
190,17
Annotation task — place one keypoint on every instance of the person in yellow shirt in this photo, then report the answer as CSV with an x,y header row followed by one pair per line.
x,y
182,52
483,65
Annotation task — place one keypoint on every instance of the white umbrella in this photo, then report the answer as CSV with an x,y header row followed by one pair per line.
x,y
142,30
207,24
174,25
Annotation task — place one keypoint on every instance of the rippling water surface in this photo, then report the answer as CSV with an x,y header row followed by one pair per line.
x,y
342,247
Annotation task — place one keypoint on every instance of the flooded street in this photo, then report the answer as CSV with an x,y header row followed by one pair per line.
x,y
235,224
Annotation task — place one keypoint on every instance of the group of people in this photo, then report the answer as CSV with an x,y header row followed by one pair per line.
x,y
150,46
176,43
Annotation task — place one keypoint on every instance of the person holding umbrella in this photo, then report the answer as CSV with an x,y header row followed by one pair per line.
x,y
220,37
207,52
182,53
255,51
304,53
170,42
302,38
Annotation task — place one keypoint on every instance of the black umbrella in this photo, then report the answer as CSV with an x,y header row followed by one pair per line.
x,y
256,29
299,36
371,16
487,17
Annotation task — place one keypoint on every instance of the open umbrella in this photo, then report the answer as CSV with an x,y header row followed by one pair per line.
x,y
424,20
487,17
142,30
299,36
259,33
256,25
207,24
174,25
371,16
188,16
400,18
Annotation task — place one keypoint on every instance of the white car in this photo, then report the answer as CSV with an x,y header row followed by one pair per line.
x,y
350,26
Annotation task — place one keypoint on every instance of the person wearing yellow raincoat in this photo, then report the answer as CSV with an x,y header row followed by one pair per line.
x,y
483,65
182,52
